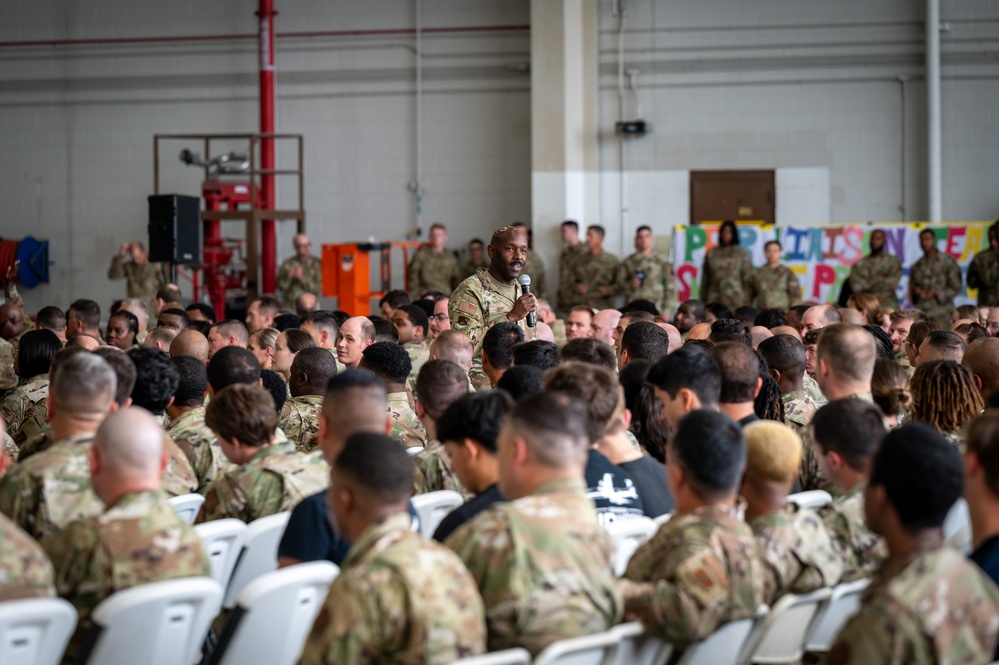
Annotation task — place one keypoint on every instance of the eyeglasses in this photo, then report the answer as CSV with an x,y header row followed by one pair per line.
x,y
303,244
440,317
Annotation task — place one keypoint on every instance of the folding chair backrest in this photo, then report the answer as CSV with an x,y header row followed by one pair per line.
x,y
787,627
223,541
433,507
258,556
163,623
187,506
727,644
281,603
813,499
598,649
628,535
957,527
35,631
637,647
844,603
516,656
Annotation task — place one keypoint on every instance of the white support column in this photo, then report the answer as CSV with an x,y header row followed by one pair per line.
x,y
934,186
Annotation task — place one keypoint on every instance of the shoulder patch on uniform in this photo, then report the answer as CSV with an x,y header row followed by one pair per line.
x,y
467,306
463,320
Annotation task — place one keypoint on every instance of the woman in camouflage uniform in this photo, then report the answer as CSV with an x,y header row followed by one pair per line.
x,y
24,408
728,271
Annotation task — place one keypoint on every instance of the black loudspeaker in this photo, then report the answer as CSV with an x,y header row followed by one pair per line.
x,y
175,229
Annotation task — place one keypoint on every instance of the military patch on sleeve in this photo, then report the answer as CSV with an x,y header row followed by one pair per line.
x,y
468,307
463,321
704,579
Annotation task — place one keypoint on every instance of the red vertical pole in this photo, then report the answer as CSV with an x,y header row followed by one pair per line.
x,y
268,244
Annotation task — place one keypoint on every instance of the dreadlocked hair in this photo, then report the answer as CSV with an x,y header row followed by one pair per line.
x,y
944,395
769,403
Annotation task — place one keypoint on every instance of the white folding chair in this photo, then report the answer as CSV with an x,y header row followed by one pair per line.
x,y
284,602
662,519
598,649
187,506
163,623
223,541
35,631
628,535
412,450
515,656
782,639
843,604
811,499
433,507
637,647
258,556
725,645
957,527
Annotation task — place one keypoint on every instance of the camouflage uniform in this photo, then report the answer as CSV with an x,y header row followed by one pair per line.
x,y
467,269
300,421
24,408
812,389
797,554
8,377
567,296
878,274
479,303
398,599
143,280
406,426
25,571
310,282
433,472
810,476
699,571
543,566
431,271
940,274
201,447
536,272
138,540
931,607
9,448
596,271
419,354
775,287
275,480
799,409
983,274
52,488
861,550
658,284
179,477
36,444
727,277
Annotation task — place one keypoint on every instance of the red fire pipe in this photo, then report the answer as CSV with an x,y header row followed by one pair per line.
x,y
268,242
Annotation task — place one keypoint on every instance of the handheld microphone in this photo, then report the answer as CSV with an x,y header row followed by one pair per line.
x,y
525,284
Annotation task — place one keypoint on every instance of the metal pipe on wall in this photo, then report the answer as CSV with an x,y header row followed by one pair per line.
x,y
933,120
622,11
268,232
419,119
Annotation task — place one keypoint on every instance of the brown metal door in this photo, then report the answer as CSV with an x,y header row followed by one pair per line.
x,y
735,195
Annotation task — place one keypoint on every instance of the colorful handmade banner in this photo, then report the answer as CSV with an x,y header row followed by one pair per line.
x,y
821,256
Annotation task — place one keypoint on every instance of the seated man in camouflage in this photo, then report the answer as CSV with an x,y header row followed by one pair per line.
x,y
52,488
138,538
847,433
270,477
439,385
927,604
311,371
542,561
797,554
390,363
398,598
701,569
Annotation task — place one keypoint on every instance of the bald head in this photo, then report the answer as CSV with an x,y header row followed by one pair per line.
x,y
190,343
11,321
845,355
127,454
454,346
786,330
699,331
982,360
759,334
604,325
818,317
83,386
673,333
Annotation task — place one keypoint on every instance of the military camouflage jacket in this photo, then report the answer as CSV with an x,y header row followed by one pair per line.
x,y
431,271
797,554
931,607
275,480
419,354
51,489
878,274
143,280
300,421
698,571
543,566
479,303
406,426
8,377
658,285
727,277
24,408
25,571
861,550
467,269
940,274
292,287
775,287
433,472
983,274
398,599
596,271
799,408
201,446
535,268
138,540
567,295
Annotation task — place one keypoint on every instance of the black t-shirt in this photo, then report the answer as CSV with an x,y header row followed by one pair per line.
x,y
309,535
612,490
467,511
650,479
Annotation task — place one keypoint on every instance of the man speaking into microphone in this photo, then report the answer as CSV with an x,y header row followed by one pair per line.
x,y
493,295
